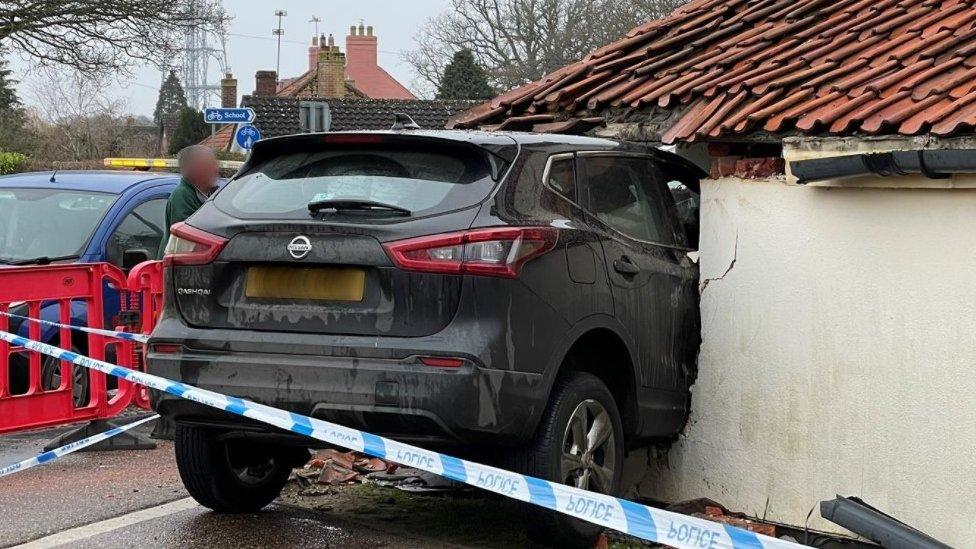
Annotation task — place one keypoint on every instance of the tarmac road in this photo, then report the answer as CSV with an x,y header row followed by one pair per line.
x,y
128,499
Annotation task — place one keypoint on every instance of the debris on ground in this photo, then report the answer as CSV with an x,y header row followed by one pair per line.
x,y
330,468
358,486
416,481
707,509
857,516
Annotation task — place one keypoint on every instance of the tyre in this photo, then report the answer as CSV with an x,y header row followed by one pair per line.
x,y
580,442
80,380
232,476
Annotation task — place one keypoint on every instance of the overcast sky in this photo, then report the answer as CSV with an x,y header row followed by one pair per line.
x,y
251,47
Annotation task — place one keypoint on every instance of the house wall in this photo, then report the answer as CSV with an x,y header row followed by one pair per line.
x,y
838,355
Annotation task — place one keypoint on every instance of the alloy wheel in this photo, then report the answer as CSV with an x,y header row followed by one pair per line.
x,y
588,450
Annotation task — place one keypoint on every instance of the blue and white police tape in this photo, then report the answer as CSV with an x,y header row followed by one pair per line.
x,y
637,520
51,455
138,338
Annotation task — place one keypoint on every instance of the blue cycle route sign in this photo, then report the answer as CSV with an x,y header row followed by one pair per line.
x,y
215,115
247,136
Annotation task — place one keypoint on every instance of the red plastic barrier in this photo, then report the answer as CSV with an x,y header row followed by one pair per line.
x,y
145,295
145,285
33,405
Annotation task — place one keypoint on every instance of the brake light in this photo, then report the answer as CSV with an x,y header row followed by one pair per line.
x,y
352,139
190,246
490,252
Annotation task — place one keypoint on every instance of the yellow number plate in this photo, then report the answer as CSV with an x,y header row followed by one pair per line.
x,y
313,283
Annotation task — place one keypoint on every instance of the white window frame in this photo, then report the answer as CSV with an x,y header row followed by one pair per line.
x,y
314,116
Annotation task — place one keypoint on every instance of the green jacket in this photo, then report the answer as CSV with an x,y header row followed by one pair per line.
x,y
182,203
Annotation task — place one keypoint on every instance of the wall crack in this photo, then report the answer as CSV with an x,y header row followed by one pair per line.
x,y
735,255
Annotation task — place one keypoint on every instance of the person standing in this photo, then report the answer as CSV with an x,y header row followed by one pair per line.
x,y
199,173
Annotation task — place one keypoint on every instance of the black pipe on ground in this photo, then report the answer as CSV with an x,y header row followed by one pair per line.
x,y
886,531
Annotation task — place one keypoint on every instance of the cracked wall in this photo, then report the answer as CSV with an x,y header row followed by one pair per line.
x,y
837,357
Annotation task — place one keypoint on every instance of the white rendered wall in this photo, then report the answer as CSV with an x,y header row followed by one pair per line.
x,y
838,355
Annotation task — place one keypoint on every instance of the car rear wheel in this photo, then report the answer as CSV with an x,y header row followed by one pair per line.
x,y
579,443
230,476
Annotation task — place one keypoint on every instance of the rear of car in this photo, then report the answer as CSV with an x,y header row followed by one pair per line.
x,y
352,312
391,282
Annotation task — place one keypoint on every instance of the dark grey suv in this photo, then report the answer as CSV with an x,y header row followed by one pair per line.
x,y
531,292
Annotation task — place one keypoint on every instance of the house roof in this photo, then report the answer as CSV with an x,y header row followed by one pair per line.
x,y
304,86
375,82
276,116
221,139
377,114
273,116
727,68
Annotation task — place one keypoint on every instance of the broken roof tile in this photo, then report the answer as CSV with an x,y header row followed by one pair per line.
x,y
730,67
743,114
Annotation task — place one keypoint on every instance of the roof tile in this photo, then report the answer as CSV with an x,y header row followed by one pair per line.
x,y
277,116
958,115
731,67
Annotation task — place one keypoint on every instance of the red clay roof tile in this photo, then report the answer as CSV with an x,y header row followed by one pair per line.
x,y
952,119
222,139
749,108
731,67
715,120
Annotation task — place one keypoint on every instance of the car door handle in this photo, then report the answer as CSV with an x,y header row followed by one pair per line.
x,y
625,266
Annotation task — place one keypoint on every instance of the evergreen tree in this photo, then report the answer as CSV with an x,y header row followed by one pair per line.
x,y
12,116
8,94
172,98
464,78
190,130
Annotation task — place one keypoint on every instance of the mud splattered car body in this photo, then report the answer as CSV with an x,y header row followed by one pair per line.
x,y
445,311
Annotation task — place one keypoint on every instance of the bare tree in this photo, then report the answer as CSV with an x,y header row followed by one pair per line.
x,y
101,35
78,120
518,41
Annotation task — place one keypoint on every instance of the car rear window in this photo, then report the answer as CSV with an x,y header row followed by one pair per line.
x,y
424,182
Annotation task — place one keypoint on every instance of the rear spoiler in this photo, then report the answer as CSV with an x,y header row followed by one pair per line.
x,y
934,164
502,149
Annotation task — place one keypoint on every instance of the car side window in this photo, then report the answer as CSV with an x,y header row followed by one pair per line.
x,y
561,176
687,204
627,193
142,229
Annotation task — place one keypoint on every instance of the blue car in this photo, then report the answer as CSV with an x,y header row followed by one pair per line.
x,y
79,217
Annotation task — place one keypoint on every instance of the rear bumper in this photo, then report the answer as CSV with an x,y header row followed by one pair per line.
x,y
398,397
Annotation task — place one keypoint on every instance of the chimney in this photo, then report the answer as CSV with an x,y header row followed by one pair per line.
x,y
361,48
266,83
313,53
331,72
228,91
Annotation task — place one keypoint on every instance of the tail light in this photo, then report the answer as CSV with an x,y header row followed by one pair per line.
x,y
491,252
190,246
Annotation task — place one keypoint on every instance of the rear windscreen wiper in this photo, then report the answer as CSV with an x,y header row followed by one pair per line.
x,y
341,204
43,260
